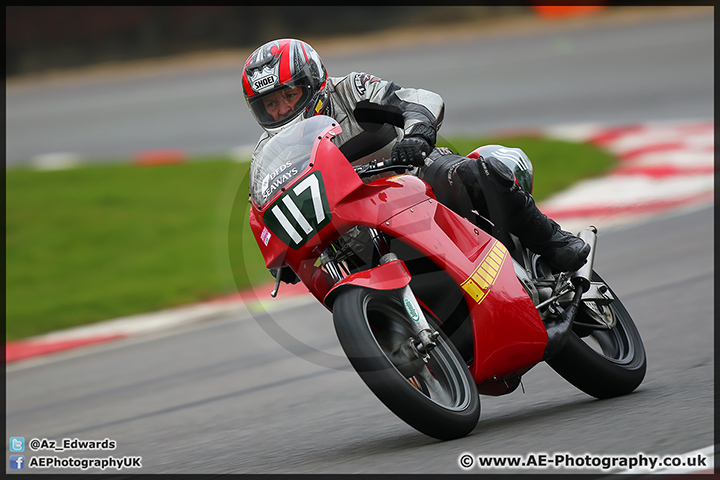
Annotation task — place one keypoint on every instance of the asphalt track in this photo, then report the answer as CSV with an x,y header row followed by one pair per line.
x,y
226,397
237,395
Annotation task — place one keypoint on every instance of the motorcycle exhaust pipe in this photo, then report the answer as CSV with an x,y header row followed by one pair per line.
x,y
584,274
559,331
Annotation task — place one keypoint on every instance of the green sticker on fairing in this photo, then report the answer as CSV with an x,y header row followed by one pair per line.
x,y
299,213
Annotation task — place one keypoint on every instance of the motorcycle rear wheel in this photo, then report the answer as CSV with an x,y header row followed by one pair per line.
x,y
603,363
440,401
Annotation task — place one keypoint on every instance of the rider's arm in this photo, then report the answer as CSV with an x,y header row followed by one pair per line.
x,y
421,110
418,113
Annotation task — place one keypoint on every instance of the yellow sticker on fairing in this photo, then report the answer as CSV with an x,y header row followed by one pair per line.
x,y
483,278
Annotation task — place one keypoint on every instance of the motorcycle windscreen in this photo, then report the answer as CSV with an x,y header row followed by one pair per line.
x,y
284,157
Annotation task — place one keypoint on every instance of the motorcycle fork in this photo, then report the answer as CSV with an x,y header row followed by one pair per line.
x,y
423,342
426,336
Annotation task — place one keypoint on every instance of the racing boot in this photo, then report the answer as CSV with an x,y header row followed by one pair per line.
x,y
535,230
543,236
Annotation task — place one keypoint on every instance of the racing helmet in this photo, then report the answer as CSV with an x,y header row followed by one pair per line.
x,y
284,81
513,158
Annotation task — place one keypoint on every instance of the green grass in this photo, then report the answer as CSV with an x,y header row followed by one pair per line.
x,y
105,241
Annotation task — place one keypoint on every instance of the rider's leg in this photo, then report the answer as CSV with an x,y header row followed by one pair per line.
x,y
449,189
487,180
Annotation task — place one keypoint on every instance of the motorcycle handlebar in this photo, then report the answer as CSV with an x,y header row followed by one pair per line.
x,y
379,166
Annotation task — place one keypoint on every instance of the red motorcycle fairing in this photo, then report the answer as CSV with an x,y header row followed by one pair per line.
x,y
509,336
388,276
507,329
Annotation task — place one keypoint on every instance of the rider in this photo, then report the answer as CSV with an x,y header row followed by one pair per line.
x,y
284,82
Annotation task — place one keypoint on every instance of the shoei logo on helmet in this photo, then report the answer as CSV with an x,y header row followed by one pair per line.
x,y
264,83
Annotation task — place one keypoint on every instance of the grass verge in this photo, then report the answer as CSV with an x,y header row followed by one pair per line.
x,y
105,241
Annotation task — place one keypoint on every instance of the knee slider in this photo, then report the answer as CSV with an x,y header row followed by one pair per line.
x,y
499,173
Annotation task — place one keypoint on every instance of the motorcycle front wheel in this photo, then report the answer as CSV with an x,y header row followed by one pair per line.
x,y
438,398
602,362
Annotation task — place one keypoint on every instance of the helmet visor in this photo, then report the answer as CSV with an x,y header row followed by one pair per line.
x,y
278,107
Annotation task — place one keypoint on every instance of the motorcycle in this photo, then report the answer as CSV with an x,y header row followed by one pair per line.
x,y
430,308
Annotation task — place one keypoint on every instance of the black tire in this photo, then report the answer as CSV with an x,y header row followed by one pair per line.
x,y
369,325
617,364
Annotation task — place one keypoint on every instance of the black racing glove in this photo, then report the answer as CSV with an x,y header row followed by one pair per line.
x,y
410,151
415,146
286,275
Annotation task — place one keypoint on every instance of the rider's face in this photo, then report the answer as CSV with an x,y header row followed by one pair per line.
x,y
281,104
